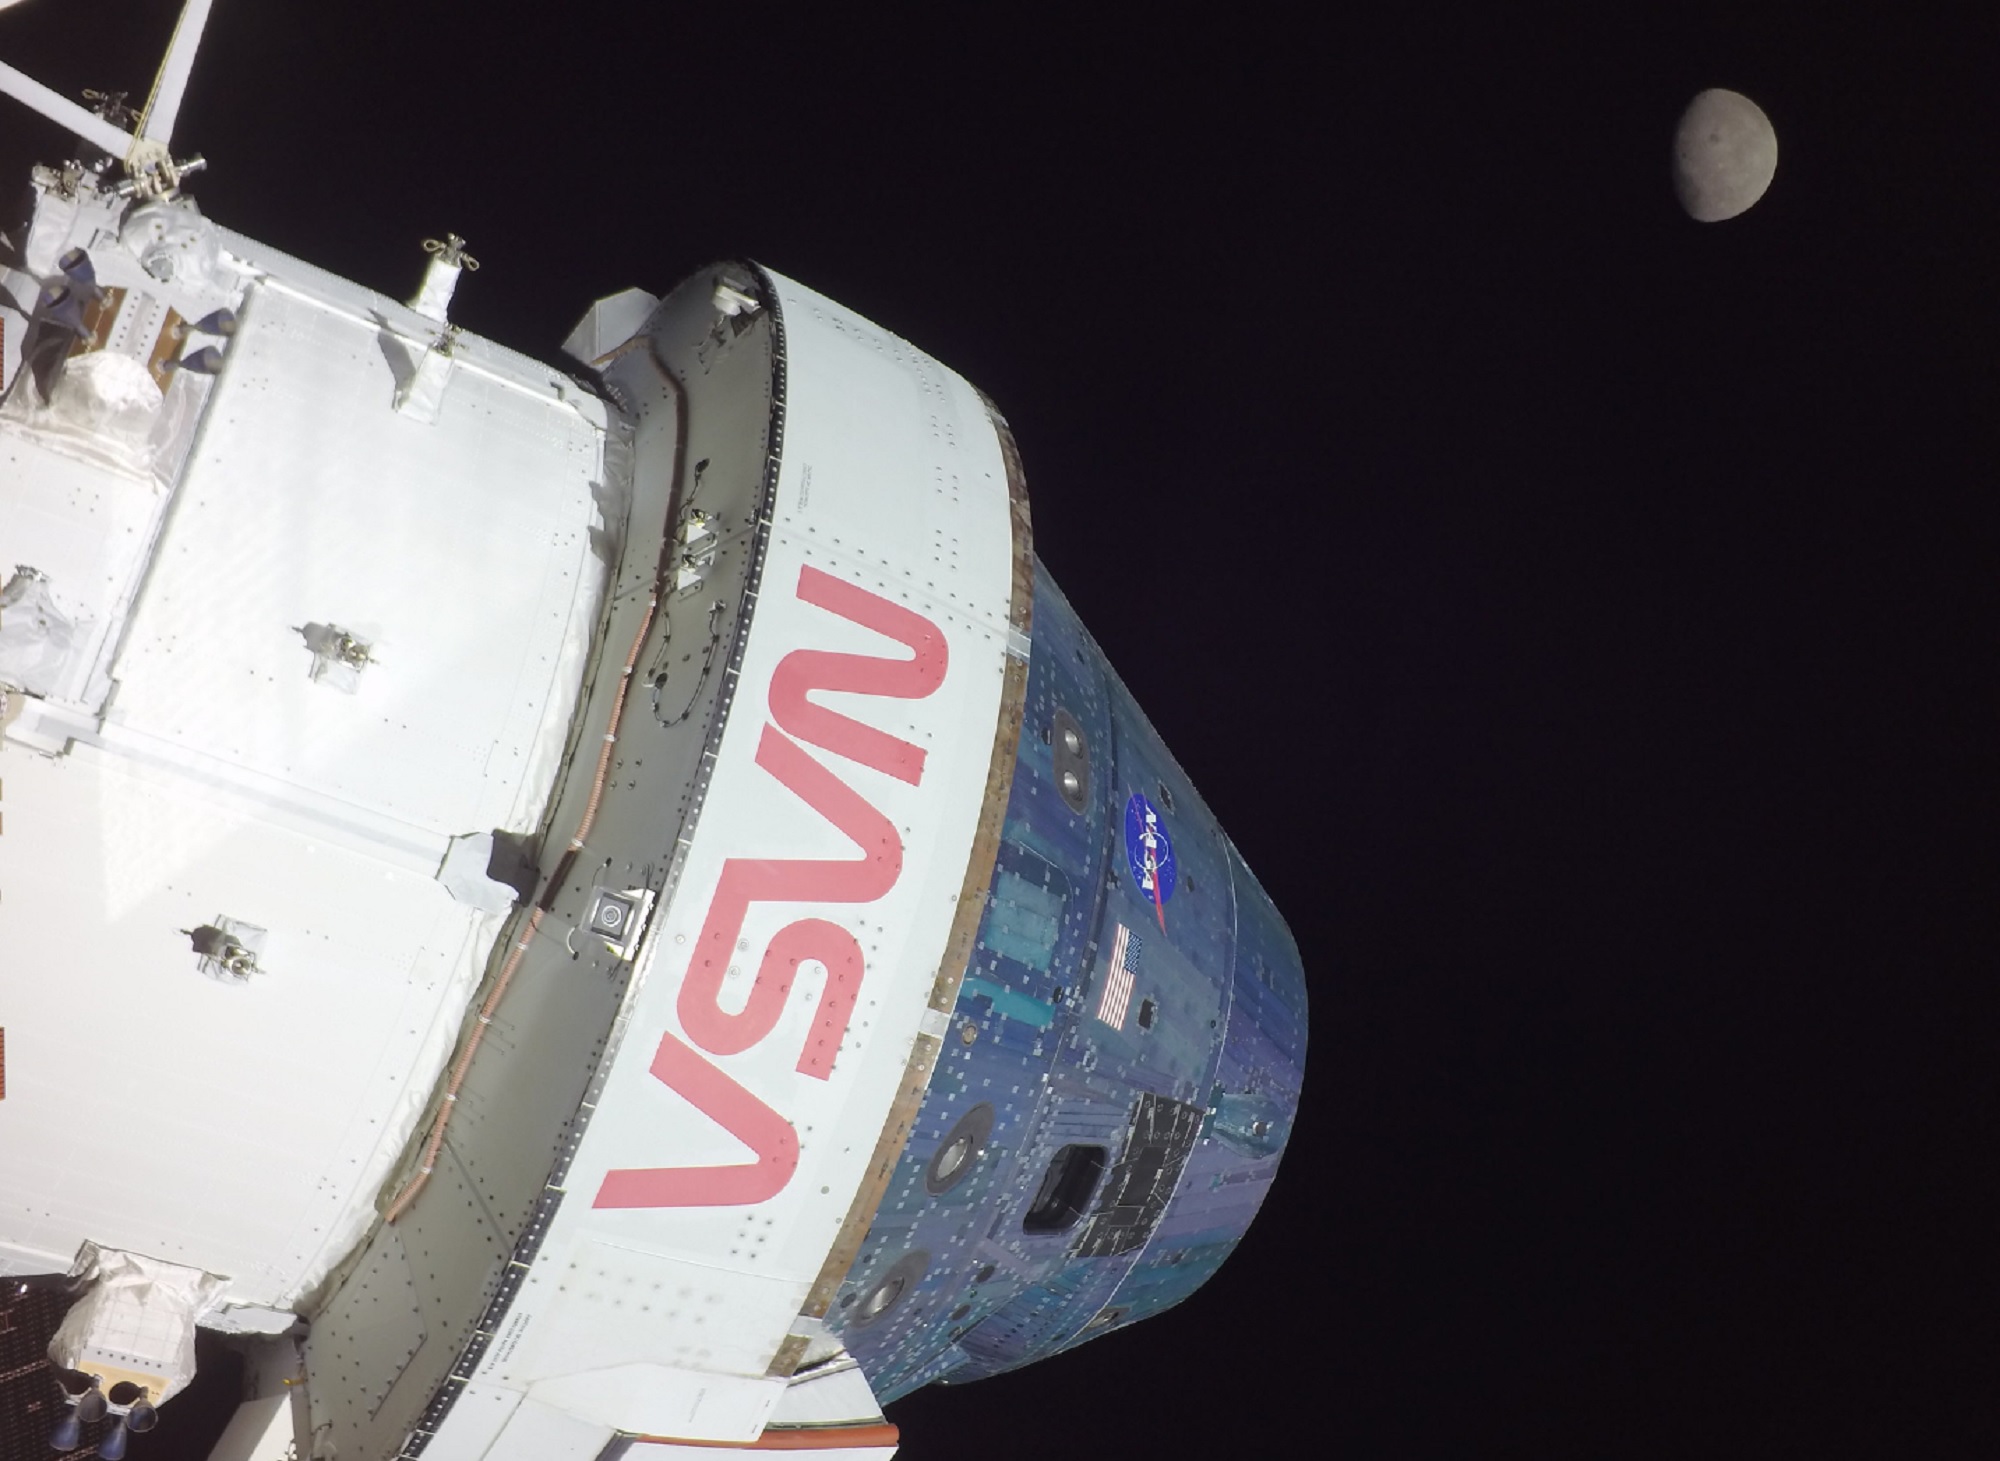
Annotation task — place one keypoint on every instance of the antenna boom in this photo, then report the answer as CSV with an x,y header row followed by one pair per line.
x,y
156,122
61,110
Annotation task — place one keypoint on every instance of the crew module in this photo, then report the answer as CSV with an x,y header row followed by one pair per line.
x,y
565,913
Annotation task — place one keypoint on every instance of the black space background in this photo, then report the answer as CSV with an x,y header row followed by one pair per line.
x,y
1583,619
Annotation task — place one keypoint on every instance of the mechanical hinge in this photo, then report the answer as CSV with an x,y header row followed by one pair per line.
x,y
153,174
150,169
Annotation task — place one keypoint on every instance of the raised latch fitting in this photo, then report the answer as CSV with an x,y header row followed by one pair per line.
x,y
339,656
228,949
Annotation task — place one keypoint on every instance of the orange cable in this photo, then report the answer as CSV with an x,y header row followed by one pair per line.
x,y
401,1202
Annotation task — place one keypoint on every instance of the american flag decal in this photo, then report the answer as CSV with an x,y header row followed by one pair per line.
x,y
1117,995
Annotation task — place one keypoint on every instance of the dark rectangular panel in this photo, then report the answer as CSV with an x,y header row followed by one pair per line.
x,y
1162,1134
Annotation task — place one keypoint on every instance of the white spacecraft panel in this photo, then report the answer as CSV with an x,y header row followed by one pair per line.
x,y
645,1450
669,1451
127,1067
457,550
893,484
226,785
87,528
839,1395
537,1432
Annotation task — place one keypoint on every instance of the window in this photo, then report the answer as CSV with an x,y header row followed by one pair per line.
x,y
1065,1190
892,1288
955,1156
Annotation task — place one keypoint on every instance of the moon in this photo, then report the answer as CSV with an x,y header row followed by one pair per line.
x,y
1725,155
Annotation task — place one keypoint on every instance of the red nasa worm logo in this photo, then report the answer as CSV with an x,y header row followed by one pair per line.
x,y
748,880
